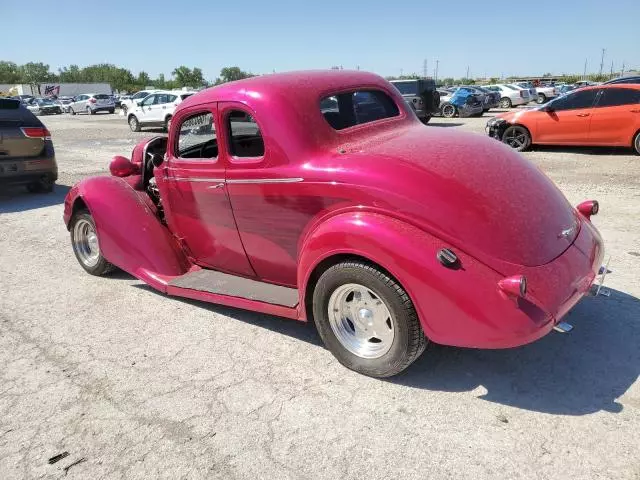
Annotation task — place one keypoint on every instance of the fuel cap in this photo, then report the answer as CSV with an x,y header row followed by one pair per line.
x,y
447,258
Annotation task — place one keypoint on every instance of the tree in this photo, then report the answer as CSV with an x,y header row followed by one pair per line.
x,y
143,79
183,76
33,73
230,74
71,74
9,72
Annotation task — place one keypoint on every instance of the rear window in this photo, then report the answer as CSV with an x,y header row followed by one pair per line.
x,y
9,104
101,97
185,95
406,88
357,107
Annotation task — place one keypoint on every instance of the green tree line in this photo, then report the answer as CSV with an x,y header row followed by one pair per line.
x,y
120,79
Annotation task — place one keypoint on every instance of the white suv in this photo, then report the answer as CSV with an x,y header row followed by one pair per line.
x,y
132,101
510,95
156,110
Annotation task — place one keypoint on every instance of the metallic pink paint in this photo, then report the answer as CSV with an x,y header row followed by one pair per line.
x,y
392,191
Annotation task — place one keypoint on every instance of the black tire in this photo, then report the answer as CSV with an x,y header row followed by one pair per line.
x,y
102,266
425,119
542,98
124,109
72,111
167,123
112,111
409,340
636,143
517,137
505,102
448,110
134,124
44,185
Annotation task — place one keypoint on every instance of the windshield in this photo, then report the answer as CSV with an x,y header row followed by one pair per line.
x,y
44,101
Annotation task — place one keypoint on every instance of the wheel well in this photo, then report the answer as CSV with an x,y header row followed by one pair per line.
x,y
129,116
78,205
323,266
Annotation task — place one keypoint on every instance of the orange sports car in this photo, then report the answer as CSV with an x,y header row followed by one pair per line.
x,y
602,115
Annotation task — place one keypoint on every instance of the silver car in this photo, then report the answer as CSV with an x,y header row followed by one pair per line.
x,y
91,103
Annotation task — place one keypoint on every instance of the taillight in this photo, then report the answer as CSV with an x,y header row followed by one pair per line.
x,y
515,286
92,100
588,208
36,132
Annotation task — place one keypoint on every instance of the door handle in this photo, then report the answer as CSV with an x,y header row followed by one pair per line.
x,y
583,114
217,185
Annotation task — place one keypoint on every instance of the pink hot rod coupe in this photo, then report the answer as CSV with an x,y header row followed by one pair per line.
x,y
321,195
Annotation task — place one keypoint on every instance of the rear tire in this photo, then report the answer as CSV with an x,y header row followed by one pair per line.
x,y
72,111
112,111
425,119
448,110
505,102
517,137
542,98
86,246
636,143
384,336
44,185
89,111
134,124
124,109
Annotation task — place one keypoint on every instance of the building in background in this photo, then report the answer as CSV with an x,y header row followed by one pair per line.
x,y
55,88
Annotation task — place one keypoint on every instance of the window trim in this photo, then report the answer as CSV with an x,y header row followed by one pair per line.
x,y
575,92
175,153
234,159
402,112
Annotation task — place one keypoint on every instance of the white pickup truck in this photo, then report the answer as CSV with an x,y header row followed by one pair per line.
x,y
540,94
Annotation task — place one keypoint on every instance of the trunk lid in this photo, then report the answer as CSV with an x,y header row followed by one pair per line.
x,y
475,191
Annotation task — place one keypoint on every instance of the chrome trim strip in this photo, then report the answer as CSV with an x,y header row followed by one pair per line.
x,y
266,180
195,179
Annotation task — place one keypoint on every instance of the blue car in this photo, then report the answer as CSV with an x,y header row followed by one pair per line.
x,y
462,102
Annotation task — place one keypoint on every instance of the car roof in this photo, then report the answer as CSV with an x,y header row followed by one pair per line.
x,y
634,86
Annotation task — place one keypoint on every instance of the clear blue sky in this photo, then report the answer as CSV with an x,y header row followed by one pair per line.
x,y
491,38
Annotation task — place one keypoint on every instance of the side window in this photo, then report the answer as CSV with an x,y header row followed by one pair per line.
x,y
149,100
162,99
197,137
245,139
171,98
573,101
613,97
358,107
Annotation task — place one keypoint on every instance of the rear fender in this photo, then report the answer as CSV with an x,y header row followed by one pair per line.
x,y
131,235
455,306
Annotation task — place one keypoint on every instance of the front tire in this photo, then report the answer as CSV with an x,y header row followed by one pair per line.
x,y
44,185
367,320
72,111
89,111
134,124
542,98
517,137
505,102
86,245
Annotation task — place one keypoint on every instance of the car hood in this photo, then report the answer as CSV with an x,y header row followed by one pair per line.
x,y
471,190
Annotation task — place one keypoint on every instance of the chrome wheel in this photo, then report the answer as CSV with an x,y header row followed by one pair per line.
x,y
505,103
361,321
637,143
85,243
448,111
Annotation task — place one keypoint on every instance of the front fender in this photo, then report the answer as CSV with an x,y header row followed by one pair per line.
x,y
131,236
460,307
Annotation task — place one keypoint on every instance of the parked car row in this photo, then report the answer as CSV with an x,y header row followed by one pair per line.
x,y
601,115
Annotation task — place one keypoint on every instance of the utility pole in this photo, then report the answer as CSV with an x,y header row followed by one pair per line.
x,y
436,74
611,75
401,73
622,72
467,72
425,71
584,75
602,61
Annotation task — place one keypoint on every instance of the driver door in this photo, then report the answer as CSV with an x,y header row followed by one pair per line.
x,y
199,210
568,120
146,109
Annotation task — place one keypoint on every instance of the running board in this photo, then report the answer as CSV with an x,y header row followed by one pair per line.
x,y
218,283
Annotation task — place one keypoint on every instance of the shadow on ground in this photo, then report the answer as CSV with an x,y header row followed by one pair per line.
x,y
578,373
304,331
583,150
17,199
439,124
570,374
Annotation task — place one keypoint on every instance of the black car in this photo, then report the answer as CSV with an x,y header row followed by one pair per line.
x,y
27,156
421,95
629,79
44,106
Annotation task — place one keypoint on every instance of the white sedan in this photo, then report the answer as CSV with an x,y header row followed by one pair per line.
x,y
511,95
156,110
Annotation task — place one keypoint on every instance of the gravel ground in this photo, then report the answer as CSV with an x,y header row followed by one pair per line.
x,y
135,385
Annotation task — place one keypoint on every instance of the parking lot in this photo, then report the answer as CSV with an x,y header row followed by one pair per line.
x,y
133,384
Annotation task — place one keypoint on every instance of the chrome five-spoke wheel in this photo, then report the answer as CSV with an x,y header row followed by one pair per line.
x,y
361,321
86,245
